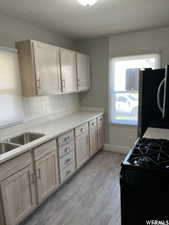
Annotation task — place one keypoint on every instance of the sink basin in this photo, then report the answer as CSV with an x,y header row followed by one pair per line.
x,y
25,138
6,147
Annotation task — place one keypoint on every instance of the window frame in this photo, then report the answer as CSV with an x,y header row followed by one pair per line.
x,y
112,61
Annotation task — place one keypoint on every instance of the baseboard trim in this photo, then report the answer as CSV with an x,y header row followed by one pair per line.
x,y
116,148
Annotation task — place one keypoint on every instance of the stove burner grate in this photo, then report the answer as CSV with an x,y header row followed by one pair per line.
x,y
150,153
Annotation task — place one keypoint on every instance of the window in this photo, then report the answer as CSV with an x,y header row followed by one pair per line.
x,y
124,86
10,92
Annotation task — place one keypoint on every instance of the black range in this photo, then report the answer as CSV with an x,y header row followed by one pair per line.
x,y
144,181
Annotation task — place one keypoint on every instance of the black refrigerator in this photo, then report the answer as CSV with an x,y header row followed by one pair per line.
x,y
153,99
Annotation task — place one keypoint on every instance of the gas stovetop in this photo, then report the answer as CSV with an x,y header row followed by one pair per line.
x,y
150,153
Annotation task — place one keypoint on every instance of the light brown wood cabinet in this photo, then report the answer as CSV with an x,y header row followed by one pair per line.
x,y
46,175
39,68
27,180
66,144
49,70
82,144
100,127
18,195
68,70
93,137
83,71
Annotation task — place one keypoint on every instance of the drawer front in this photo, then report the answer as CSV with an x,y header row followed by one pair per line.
x,y
67,172
67,148
44,149
100,120
81,129
93,123
14,165
66,138
67,160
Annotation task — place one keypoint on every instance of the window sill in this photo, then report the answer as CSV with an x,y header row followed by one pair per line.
x,y
124,124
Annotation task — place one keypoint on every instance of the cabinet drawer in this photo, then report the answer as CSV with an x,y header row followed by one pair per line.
x,y
81,129
45,149
66,160
66,138
67,148
14,165
67,172
93,123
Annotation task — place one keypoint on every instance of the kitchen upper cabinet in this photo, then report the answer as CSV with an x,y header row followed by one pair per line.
x,y
82,144
39,68
47,68
68,70
47,175
100,127
93,137
18,195
83,72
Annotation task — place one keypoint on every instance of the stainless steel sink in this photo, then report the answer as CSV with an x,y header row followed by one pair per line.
x,y
25,138
6,147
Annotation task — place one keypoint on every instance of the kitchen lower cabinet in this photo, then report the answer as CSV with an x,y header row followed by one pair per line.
x,y
100,127
30,178
93,137
18,195
82,144
47,175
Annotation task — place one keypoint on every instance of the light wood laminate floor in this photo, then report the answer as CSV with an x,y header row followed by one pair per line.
x,y
91,197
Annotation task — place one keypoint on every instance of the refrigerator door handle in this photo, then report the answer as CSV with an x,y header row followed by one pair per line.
x,y
158,95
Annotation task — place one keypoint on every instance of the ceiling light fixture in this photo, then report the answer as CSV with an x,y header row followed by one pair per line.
x,y
87,3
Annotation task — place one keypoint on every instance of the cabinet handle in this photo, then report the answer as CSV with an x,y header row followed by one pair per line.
x,y
38,83
32,178
63,83
67,160
82,129
68,172
39,174
66,149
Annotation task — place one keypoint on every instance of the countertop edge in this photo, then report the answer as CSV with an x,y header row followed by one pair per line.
x,y
30,146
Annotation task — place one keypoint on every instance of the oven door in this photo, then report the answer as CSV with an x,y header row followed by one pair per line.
x,y
144,196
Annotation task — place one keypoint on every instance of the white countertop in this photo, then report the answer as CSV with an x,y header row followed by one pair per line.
x,y
157,133
51,129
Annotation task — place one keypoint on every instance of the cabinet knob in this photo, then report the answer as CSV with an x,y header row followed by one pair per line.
x,y
38,83
67,160
68,172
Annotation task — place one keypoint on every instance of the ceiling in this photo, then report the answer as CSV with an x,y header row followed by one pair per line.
x,y
106,17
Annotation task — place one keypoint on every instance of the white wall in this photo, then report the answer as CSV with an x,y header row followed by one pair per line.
x,y
97,97
120,137
12,30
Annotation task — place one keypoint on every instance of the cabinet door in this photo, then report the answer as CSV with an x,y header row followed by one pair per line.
x,y
68,70
18,195
47,68
82,149
83,72
100,132
47,175
93,140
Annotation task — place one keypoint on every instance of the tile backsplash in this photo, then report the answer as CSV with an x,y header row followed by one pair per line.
x,y
36,107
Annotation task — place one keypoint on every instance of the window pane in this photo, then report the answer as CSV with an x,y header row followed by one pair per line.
x,y
10,90
124,88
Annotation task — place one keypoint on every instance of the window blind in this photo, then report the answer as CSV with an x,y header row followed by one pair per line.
x,y
10,89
